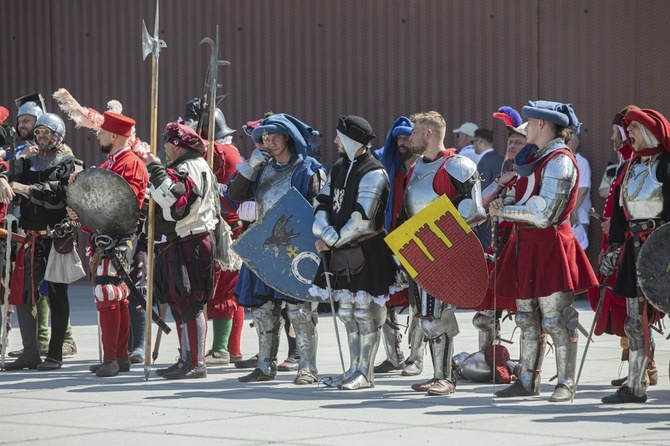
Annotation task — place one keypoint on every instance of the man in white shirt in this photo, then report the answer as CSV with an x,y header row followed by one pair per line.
x,y
465,134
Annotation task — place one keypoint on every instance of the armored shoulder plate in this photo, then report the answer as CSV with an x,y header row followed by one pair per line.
x,y
460,168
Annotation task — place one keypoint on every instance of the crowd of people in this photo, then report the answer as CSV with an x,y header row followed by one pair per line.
x,y
529,207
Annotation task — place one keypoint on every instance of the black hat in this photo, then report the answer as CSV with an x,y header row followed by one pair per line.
x,y
356,128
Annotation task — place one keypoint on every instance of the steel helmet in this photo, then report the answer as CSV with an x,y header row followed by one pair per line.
x,y
57,126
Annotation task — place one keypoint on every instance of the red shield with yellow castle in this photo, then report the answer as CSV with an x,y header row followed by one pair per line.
x,y
442,254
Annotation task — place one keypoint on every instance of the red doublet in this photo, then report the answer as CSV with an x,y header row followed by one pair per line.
x,y
111,295
550,259
222,305
132,169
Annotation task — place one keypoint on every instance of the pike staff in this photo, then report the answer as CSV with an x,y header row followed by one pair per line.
x,y
151,45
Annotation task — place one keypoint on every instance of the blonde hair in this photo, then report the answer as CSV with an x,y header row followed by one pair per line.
x,y
650,141
433,120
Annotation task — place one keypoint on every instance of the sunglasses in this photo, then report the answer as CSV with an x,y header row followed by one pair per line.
x,y
47,132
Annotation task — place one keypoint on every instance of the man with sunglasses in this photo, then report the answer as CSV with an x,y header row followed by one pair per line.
x,y
40,181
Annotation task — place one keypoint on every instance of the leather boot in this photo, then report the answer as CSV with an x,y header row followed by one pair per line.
x,y
107,369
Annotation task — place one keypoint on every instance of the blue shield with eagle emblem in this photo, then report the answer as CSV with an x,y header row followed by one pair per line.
x,y
279,248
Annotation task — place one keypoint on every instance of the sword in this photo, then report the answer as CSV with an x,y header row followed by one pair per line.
x,y
599,308
4,331
151,45
122,269
327,274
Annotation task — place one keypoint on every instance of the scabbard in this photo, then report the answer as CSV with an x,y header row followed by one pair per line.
x,y
135,293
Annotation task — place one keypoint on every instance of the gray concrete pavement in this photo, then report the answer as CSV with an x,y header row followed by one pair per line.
x,y
72,406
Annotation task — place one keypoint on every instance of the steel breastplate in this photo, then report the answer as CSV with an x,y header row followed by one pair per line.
x,y
272,185
420,192
641,193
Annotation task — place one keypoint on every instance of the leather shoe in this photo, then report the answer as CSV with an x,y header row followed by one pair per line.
x,y
188,371
21,364
619,382
442,387
172,368
514,390
624,395
290,364
305,377
387,366
412,368
250,363
217,358
107,369
136,358
234,359
49,364
561,394
424,386
256,376
70,350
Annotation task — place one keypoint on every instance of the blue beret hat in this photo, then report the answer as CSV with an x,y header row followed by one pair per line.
x,y
556,112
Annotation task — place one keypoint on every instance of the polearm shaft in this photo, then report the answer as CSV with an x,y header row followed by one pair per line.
x,y
211,86
151,45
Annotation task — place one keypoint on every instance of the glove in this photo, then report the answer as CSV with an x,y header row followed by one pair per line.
x,y
258,158
249,169
609,262
330,236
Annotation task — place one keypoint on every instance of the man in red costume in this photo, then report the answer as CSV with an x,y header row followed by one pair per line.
x,y
543,266
640,206
111,294
227,317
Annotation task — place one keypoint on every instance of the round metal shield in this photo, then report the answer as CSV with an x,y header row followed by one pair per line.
x,y
104,202
653,268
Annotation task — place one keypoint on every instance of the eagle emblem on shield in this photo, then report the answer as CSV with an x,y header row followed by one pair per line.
x,y
279,248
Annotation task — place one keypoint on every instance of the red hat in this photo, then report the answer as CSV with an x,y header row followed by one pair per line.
x,y
117,124
184,136
653,121
4,113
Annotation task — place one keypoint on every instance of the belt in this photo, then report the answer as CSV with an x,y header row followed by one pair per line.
x,y
37,233
555,225
368,236
650,224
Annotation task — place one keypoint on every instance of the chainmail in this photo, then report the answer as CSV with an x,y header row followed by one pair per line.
x,y
40,163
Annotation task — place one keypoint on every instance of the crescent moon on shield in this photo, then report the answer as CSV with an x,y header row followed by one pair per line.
x,y
296,261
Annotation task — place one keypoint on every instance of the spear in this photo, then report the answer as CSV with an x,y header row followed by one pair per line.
x,y
151,45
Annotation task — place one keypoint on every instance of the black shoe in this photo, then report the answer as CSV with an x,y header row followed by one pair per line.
x,y
256,376
136,358
188,371
172,368
21,364
49,364
624,395
107,369
514,390
250,363
124,364
386,367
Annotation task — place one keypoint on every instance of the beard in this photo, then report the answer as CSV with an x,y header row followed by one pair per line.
x,y
106,149
29,136
405,152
